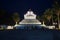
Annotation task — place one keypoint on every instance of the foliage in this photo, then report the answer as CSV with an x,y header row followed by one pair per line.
x,y
16,17
52,13
38,17
48,14
57,11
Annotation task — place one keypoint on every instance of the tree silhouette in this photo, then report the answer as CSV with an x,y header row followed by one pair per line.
x,y
48,14
16,17
56,8
38,17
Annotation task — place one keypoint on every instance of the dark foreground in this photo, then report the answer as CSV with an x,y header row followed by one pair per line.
x,y
41,34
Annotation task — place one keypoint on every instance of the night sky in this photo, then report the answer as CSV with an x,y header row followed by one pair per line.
x,y
22,6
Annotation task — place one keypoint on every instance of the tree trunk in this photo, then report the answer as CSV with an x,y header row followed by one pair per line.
x,y
58,20
16,23
52,19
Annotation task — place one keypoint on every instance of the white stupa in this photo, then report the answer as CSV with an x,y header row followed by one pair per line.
x,y
30,18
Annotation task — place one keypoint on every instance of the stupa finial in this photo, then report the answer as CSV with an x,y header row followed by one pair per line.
x,y
30,9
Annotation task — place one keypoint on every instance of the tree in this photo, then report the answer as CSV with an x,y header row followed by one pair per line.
x,y
48,14
16,17
56,8
38,17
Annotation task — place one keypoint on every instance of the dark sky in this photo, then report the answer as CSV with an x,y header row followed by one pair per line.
x,y
22,6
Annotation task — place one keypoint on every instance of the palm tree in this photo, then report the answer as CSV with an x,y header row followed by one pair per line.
x,y
56,8
58,13
48,14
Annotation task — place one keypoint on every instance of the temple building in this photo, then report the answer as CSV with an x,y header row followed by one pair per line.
x,y
30,18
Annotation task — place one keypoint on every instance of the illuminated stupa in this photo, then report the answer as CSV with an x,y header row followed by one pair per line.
x,y
30,18
29,21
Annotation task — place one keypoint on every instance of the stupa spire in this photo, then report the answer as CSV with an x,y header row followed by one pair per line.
x,y
30,9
